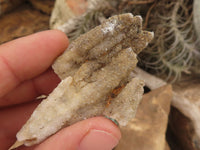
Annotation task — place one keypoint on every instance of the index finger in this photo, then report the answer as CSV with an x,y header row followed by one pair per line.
x,y
27,57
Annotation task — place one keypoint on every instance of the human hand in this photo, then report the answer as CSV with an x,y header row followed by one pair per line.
x,y
25,73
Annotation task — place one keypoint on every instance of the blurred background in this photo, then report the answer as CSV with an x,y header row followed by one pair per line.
x,y
168,117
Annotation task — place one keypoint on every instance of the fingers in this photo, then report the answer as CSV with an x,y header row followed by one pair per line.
x,y
92,134
29,90
27,57
12,120
96,133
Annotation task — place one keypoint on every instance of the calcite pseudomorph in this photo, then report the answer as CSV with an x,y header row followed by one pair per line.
x,y
95,79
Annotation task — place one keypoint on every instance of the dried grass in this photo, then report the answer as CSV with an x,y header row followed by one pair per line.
x,y
173,50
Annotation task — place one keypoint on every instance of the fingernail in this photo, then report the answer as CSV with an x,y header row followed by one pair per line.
x,y
113,120
98,140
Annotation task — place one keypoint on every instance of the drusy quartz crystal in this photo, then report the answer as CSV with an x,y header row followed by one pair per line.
x,y
95,79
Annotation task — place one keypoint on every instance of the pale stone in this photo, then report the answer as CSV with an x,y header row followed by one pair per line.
x,y
65,10
95,45
78,98
147,130
88,88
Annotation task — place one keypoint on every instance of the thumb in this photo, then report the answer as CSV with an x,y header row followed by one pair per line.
x,y
96,133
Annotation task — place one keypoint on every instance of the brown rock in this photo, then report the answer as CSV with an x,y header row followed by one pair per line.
x,y
45,6
183,130
185,118
167,146
185,121
147,130
8,5
23,21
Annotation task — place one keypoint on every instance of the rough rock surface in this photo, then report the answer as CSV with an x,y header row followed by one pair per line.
x,y
147,130
8,5
45,6
95,79
102,43
22,21
74,100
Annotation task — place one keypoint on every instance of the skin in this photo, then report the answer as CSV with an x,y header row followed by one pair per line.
x,y
25,73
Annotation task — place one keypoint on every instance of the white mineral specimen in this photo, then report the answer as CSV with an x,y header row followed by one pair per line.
x,y
94,72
